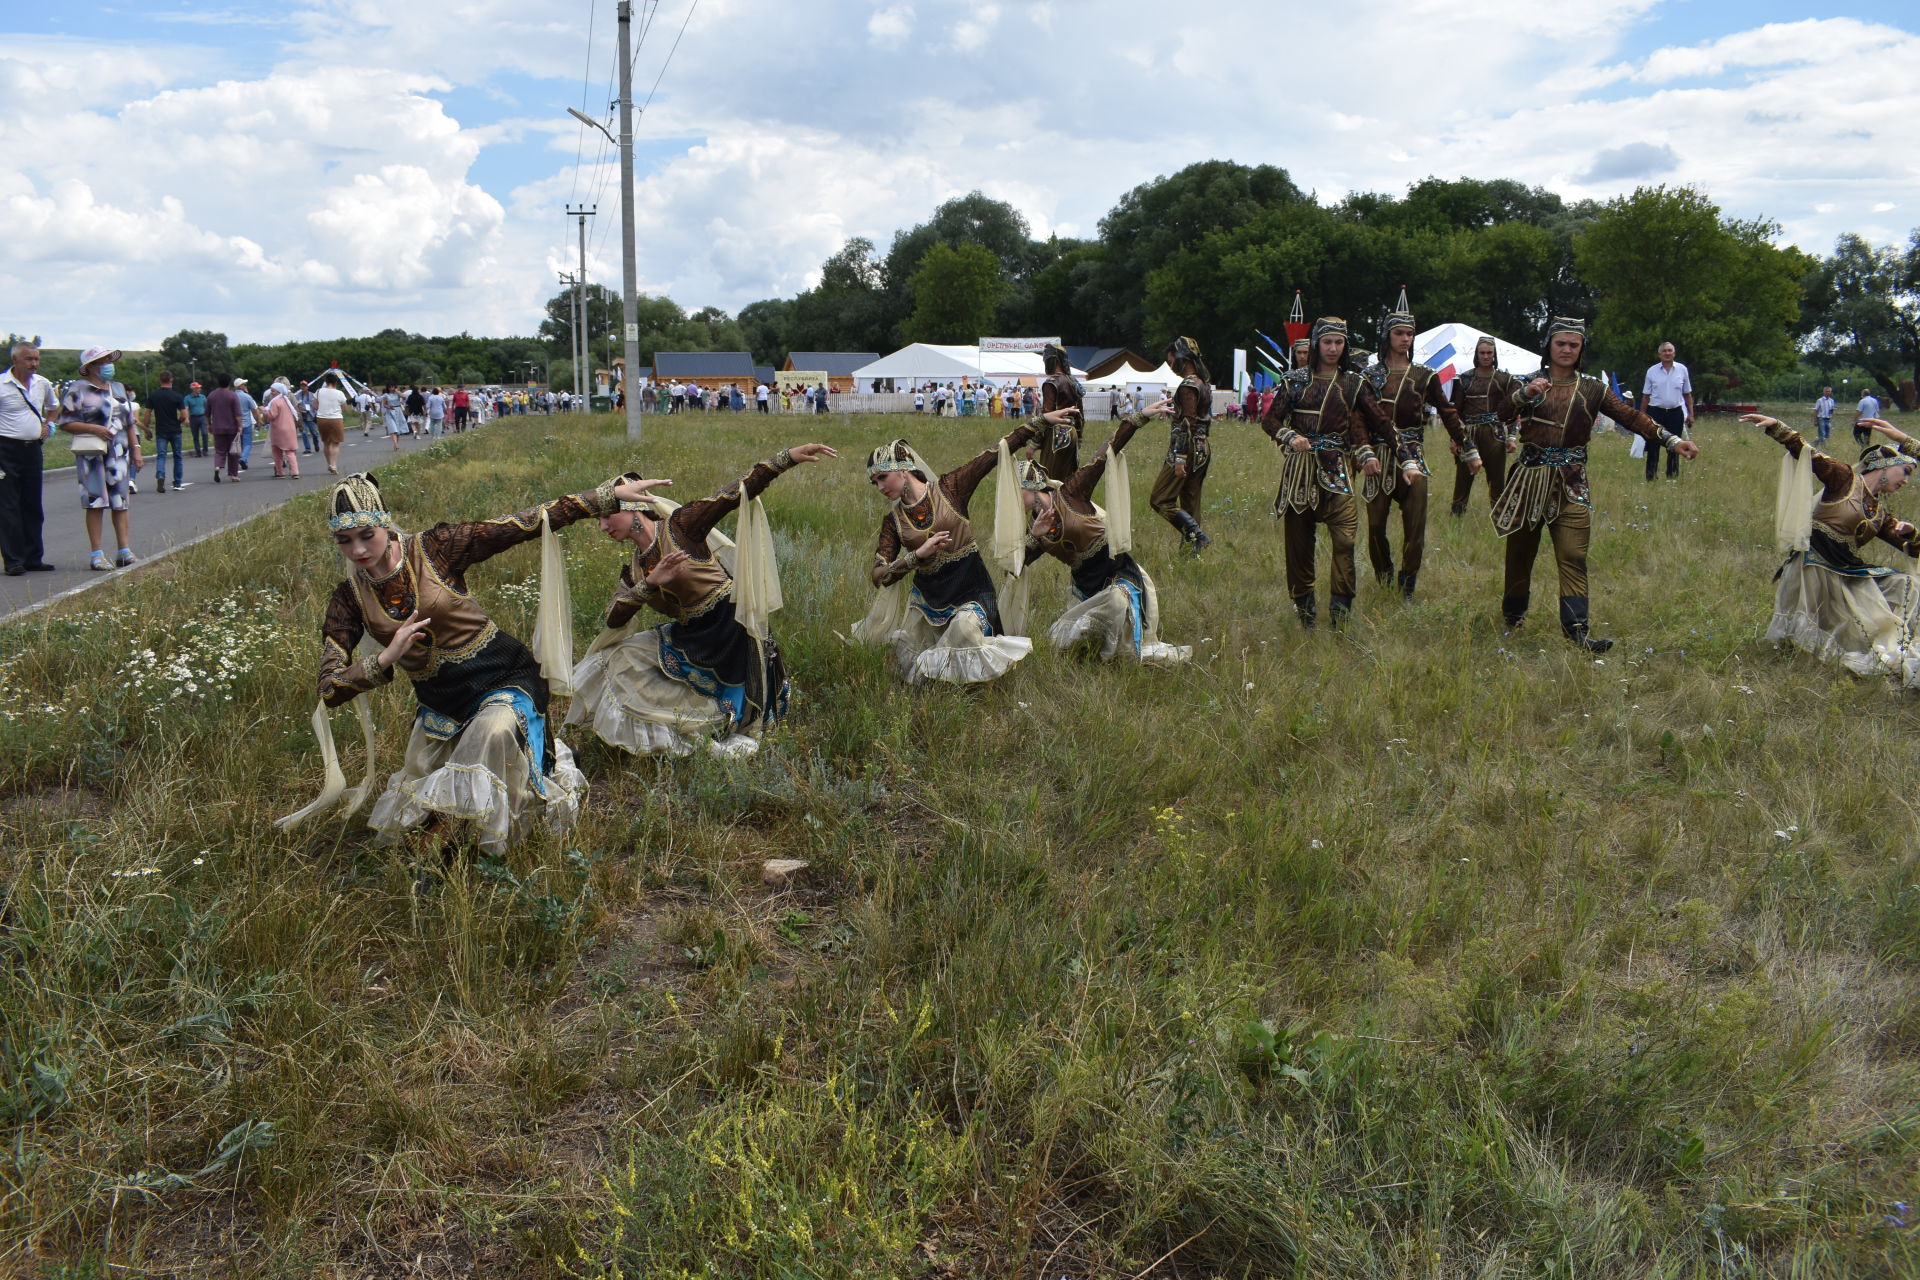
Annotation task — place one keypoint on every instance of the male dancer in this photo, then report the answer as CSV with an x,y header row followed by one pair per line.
x,y
1320,415
1058,450
1406,391
1484,396
1548,491
1176,492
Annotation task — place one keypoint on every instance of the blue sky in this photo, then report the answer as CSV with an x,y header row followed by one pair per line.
x,y
409,163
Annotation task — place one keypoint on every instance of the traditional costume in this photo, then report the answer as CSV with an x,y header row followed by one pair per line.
x,y
940,615
1116,609
1484,398
1548,489
481,747
1176,492
1405,392
1336,412
1830,602
711,671
1058,449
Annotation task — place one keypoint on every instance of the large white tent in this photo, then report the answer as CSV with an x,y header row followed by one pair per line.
x,y
923,362
1124,377
1448,350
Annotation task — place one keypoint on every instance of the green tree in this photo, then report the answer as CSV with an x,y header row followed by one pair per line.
x,y
200,353
849,309
766,325
1863,308
955,293
1665,267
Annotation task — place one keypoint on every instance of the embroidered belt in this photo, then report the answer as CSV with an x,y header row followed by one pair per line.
x,y
1335,443
1481,420
1412,435
1541,455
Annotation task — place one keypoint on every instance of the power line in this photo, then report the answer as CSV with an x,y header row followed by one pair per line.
x,y
586,75
669,62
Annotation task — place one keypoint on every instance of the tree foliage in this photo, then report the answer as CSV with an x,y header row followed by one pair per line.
x,y
1863,309
956,292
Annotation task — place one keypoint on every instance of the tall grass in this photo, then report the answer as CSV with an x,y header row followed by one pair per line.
x,y
1416,950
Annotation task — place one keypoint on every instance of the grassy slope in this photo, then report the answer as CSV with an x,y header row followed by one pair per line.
x,y
1417,951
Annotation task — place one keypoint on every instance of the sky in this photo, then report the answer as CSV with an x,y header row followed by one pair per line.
x,y
320,168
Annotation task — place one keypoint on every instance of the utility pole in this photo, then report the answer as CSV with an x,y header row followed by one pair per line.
x,y
580,291
573,324
629,266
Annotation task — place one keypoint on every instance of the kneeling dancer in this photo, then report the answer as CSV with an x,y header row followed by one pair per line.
x,y
1322,413
1116,607
481,748
938,608
1830,602
708,671
1548,489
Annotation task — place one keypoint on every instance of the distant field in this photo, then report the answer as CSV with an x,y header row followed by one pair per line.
x,y
1415,951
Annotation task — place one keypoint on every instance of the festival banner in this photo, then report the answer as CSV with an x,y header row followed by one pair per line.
x,y
1017,344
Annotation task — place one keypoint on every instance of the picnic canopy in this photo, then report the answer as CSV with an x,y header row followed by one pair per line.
x,y
1448,350
940,362
1124,377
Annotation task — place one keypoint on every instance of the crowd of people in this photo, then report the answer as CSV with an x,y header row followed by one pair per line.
x,y
674,396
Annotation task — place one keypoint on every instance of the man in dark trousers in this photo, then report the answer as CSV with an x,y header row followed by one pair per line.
x,y
165,409
27,405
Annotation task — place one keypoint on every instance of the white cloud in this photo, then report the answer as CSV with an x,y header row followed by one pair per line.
x,y
890,27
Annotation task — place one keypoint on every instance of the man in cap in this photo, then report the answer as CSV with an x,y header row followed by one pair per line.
x,y
1406,391
249,412
196,402
1323,416
28,407
1547,491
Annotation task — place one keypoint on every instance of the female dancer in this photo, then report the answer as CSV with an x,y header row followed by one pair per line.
x,y
480,749
938,608
1115,603
705,672
1830,602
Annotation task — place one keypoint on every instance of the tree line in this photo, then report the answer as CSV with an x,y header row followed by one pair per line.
x,y
1217,250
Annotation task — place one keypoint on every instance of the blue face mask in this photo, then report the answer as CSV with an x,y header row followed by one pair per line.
x,y
106,370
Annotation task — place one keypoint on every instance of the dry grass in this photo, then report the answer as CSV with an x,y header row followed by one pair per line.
x,y
1416,951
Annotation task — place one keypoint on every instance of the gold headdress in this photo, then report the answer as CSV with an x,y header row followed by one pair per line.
x,y
355,503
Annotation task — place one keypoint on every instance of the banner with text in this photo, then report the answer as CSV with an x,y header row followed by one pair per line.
x,y
1017,344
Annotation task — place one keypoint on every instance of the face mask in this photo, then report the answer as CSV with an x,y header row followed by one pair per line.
x,y
106,371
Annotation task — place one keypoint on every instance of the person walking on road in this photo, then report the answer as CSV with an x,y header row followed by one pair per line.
x,y
330,419
163,412
27,409
97,413
197,418
223,423
283,430
249,411
1823,414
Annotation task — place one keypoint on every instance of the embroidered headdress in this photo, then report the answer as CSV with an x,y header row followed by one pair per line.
x,y
1400,317
355,503
1329,324
1566,324
1187,349
896,455
1033,477
1878,457
1053,358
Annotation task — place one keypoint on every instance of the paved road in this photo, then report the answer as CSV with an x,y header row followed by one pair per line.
x,y
162,521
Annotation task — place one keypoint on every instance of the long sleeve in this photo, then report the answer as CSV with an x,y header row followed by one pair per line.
x,y
342,676
1500,400
1450,418
628,597
1634,420
1369,424
959,483
1276,421
1835,476
455,548
693,522
890,564
1186,409
1080,484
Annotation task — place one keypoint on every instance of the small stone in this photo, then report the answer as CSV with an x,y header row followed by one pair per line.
x,y
780,873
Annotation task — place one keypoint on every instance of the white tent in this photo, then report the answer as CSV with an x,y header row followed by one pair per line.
x,y
1448,350
1124,377
348,383
923,362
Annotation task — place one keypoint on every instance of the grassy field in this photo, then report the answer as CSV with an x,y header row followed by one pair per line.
x,y
1414,951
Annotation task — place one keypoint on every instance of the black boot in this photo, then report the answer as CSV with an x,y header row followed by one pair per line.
x,y
1458,509
1305,607
1384,576
1339,608
1514,610
1573,621
1408,579
1190,531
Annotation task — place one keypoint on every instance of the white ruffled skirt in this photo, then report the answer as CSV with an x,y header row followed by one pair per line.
x,y
622,694
483,776
958,652
1864,623
1119,621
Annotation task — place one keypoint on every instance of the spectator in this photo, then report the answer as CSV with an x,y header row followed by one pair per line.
x,y
416,405
1869,407
309,429
330,420
27,409
283,428
761,397
1667,398
436,413
164,410
197,418
98,416
1823,414
249,418
919,401
223,423
820,398
462,408
393,407
366,404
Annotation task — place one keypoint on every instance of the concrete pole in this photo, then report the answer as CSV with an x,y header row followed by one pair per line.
x,y
629,266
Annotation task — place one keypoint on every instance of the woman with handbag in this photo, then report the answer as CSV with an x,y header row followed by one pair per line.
x,y
97,416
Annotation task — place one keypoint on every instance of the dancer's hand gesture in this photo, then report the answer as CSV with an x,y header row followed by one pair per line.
x,y
635,490
1762,421
933,545
1371,467
1885,428
403,640
669,565
810,452
1161,408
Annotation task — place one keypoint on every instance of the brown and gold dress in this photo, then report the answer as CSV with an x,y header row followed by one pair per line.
x,y
951,630
481,749
1116,609
699,675
1058,449
1830,602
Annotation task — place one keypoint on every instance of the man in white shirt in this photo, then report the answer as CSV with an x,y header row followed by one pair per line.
x,y
760,394
27,408
1823,414
1869,407
1667,397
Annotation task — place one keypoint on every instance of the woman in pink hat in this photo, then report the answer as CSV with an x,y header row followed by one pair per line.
x,y
97,415
283,429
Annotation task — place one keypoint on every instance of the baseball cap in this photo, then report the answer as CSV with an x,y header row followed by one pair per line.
x,y
239,382
193,386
